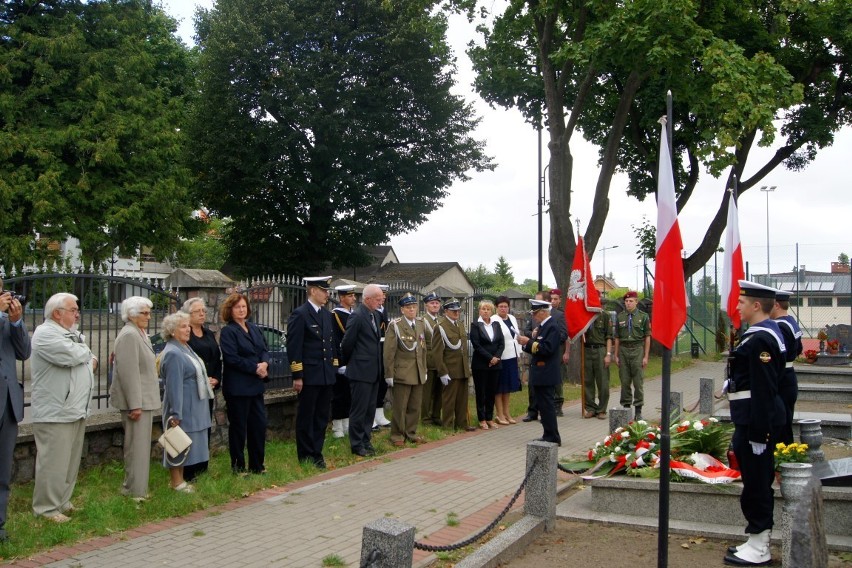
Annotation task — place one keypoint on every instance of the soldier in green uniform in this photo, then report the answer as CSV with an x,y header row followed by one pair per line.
x,y
430,407
597,342
632,347
453,361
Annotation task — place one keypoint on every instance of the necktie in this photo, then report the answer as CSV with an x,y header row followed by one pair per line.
x,y
630,325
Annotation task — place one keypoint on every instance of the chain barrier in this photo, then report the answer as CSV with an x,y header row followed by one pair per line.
x,y
372,559
486,530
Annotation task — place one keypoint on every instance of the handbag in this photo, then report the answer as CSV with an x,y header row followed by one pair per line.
x,y
175,442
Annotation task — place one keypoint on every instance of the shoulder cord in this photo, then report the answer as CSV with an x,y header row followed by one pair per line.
x,y
454,347
399,338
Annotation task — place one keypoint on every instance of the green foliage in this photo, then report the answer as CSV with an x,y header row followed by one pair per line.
x,y
323,127
503,273
92,98
646,238
843,259
481,277
333,560
206,250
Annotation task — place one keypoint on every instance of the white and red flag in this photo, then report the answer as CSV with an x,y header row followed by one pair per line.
x,y
733,270
582,301
669,311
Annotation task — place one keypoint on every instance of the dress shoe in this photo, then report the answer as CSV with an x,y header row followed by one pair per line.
x,y
602,416
419,440
557,442
363,453
469,429
399,443
588,414
492,425
529,418
58,518
559,412
511,420
320,464
483,425
501,422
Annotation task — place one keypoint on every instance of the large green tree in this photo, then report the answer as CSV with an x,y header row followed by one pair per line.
x,y
92,97
326,126
603,68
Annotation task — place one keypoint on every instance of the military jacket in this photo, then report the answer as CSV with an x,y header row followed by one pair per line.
x,y
451,349
311,345
432,337
600,330
755,367
637,331
405,352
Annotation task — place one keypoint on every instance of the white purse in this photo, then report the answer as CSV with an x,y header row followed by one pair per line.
x,y
175,442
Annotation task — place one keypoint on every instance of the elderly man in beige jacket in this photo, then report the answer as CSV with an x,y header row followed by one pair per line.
x,y
62,385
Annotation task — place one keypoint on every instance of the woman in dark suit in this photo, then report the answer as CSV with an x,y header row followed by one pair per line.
x,y
487,340
203,343
245,370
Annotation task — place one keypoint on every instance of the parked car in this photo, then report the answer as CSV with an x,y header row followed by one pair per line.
x,y
276,344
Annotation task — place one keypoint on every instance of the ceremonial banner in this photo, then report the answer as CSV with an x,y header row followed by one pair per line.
x,y
582,301
733,270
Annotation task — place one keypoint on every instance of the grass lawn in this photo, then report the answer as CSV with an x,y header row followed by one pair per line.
x,y
106,512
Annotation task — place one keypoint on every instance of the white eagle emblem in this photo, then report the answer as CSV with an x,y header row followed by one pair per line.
x,y
576,287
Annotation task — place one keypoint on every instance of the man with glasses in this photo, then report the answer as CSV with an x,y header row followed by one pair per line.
x,y
62,384
14,346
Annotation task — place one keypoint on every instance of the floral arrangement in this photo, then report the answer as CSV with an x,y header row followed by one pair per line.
x,y
790,453
635,449
822,335
811,354
832,344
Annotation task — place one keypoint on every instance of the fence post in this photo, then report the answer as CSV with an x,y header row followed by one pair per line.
x,y
387,543
618,418
540,491
705,400
675,405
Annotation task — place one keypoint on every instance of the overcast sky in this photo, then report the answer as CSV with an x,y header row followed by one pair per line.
x,y
495,212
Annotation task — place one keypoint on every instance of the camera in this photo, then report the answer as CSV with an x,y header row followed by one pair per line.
x,y
15,296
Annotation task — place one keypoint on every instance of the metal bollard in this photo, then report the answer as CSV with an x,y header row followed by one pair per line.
x,y
618,418
675,405
540,490
387,543
706,403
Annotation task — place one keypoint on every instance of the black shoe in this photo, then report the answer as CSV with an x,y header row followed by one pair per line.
x,y
557,442
376,428
732,560
560,413
364,453
529,418
732,550
3,536
320,464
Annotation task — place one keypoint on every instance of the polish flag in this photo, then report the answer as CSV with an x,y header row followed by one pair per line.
x,y
669,311
733,270
582,301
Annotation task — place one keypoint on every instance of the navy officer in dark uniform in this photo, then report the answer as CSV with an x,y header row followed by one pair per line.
x,y
789,387
755,367
314,355
545,366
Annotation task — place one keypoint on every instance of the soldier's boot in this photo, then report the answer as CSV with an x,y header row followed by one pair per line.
x,y
637,415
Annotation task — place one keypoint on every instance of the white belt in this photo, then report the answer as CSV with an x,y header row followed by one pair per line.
x,y
741,395
789,364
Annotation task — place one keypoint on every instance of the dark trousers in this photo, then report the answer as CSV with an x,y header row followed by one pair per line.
x,y
544,396
758,472
532,407
362,412
789,391
485,387
246,422
381,393
8,437
312,420
342,398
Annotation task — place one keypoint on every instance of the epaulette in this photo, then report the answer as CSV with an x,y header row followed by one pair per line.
x,y
396,320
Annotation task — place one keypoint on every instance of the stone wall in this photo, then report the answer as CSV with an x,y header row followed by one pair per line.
x,y
105,436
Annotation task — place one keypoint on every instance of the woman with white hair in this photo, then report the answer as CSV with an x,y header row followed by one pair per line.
x,y
203,343
187,391
135,392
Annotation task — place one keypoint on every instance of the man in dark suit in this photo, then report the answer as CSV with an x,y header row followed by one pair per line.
x,y
382,320
14,346
362,356
532,408
314,356
545,365
559,317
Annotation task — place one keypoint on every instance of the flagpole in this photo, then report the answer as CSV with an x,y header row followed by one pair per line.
x,y
665,414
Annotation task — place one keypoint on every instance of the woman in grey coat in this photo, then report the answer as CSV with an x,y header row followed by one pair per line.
x,y
187,392
136,393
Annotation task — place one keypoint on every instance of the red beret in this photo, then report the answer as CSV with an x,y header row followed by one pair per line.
x,y
556,291
631,294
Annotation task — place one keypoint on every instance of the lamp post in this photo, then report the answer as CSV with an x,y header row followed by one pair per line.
x,y
767,189
603,251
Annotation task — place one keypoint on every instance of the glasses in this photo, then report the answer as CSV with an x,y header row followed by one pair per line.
x,y
72,310
198,311
148,313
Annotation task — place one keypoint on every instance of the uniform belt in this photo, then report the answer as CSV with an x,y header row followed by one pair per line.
x,y
622,342
740,395
595,345
789,364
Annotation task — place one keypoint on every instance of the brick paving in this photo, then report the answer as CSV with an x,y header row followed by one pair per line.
x,y
471,476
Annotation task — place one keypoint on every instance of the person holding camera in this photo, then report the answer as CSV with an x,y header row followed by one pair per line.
x,y
245,361
14,346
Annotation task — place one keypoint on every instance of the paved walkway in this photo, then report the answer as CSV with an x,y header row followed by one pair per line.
x,y
472,475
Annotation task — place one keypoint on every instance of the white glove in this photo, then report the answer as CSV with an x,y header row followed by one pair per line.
x,y
445,380
757,448
389,381
341,370
725,385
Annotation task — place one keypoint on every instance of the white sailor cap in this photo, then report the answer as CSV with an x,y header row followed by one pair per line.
x,y
345,289
755,290
323,282
536,305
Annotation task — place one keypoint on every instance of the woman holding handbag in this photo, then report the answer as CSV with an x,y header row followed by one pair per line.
x,y
185,401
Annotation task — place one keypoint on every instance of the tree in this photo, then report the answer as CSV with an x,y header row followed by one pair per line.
x,y
503,274
324,127
92,98
603,68
843,259
481,277
205,250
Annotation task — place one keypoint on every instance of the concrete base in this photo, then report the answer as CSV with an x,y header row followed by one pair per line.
x,y
507,545
691,505
816,374
822,392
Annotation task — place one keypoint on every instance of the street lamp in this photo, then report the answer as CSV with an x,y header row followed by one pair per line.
x,y
767,189
603,251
